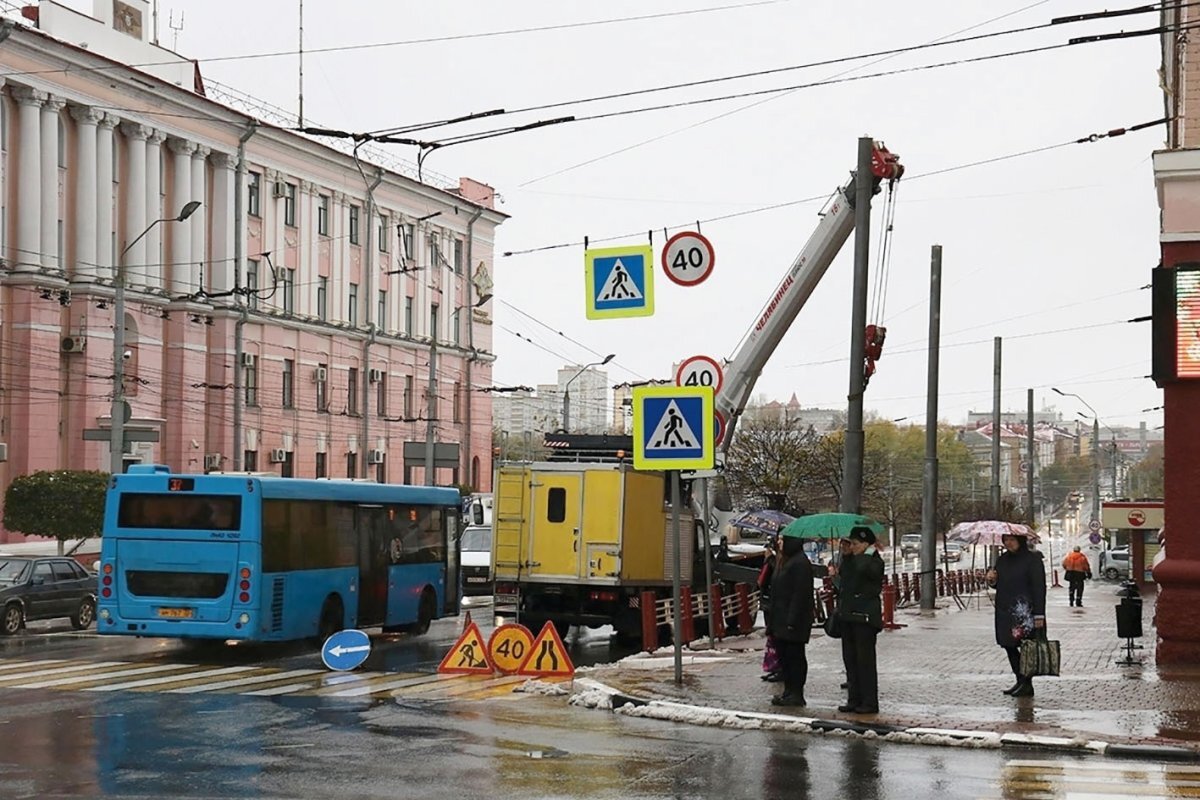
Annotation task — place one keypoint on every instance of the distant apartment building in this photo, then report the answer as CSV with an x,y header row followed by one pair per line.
x,y
288,325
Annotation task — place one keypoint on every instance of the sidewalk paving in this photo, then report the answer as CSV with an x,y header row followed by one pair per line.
x,y
943,670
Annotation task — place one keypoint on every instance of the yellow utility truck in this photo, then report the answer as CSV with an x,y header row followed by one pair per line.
x,y
577,542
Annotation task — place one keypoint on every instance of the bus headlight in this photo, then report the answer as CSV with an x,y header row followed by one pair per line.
x,y
244,618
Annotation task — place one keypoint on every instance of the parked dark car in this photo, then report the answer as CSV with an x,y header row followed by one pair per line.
x,y
33,587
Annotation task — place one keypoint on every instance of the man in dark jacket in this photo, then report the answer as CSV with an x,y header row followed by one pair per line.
x,y
861,615
791,619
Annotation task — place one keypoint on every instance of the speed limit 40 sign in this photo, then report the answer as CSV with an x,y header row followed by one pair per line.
x,y
688,258
700,371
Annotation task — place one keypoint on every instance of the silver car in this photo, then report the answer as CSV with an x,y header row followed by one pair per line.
x,y
1115,563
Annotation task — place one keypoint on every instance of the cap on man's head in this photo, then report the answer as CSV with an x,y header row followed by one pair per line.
x,y
861,534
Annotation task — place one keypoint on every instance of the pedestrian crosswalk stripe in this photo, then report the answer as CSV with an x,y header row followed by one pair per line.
x,y
1030,778
94,678
163,680
397,681
277,690
17,677
252,680
27,664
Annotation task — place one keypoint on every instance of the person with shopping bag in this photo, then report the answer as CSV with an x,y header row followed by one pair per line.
x,y
1076,569
1019,579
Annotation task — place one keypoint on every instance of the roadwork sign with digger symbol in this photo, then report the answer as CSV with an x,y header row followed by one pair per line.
x,y
547,656
468,655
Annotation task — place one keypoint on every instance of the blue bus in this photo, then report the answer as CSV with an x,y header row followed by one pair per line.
x,y
260,558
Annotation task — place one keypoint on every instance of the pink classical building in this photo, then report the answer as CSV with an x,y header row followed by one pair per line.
x,y
309,318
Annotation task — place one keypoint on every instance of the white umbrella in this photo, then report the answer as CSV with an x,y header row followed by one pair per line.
x,y
989,532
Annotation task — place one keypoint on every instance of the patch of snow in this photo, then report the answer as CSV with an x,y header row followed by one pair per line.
x,y
532,686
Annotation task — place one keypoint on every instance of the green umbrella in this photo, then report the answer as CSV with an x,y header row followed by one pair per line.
x,y
829,526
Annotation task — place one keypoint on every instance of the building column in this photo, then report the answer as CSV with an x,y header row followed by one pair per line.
x,y
199,218
50,213
155,268
221,262
181,240
104,196
86,119
135,203
29,177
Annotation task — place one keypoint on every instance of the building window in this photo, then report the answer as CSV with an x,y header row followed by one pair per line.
x,y
351,465
433,321
384,229
352,310
410,235
408,311
252,283
352,392
322,381
322,467
287,468
289,383
458,402
323,215
458,256
381,396
381,320
408,397
289,205
289,291
433,251
381,471
250,380
354,224
253,196
458,325
250,460
323,299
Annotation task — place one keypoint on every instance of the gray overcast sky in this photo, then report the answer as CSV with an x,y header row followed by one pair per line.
x,y
1036,248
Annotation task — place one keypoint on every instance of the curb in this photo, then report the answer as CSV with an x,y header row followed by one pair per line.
x,y
615,699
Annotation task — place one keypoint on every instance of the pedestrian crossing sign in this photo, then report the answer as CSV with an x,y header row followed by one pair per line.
x,y
673,427
620,282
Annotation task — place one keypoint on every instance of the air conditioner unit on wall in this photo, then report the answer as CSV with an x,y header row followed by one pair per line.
x,y
280,189
375,375
320,375
278,455
212,460
375,456
247,359
73,344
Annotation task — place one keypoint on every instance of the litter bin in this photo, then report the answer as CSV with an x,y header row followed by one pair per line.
x,y
1129,611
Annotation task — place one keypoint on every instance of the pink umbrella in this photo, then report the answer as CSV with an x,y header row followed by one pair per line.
x,y
989,532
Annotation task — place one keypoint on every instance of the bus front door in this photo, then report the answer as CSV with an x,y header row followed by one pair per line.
x,y
372,527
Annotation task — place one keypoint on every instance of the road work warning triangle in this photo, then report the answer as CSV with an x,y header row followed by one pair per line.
x,y
672,431
469,654
548,656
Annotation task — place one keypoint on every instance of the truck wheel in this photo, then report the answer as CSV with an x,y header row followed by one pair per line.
x,y
13,620
85,615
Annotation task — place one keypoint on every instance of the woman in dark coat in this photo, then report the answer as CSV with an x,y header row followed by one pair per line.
x,y
791,619
1019,579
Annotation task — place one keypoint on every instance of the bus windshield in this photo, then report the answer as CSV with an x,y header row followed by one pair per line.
x,y
180,511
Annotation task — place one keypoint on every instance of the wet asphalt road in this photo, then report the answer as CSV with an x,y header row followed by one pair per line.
x,y
74,744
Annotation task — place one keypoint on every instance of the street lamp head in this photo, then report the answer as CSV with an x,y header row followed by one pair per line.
x,y
188,210
608,358
1057,390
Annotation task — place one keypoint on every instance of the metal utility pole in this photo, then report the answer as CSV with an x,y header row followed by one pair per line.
x,y
996,430
1029,460
929,506
676,590
852,455
431,410
1095,465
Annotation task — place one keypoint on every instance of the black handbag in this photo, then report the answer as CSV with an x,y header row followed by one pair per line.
x,y
833,626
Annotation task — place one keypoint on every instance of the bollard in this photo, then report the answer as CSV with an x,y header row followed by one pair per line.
x,y
889,608
1056,584
718,614
916,581
745,623
649,622
687,618
907,588
941,583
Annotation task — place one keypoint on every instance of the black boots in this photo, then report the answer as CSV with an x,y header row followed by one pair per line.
x,y
1024,688
1014,687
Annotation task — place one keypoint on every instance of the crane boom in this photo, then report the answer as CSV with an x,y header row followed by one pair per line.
x,y
793,292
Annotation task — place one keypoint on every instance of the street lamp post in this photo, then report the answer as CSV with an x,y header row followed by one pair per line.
x,y
116,441
1095,452
567,389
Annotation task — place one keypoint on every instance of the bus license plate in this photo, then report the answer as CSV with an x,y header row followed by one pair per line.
x,y
476,580
177,613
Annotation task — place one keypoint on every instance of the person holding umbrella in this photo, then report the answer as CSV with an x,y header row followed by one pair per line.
x,y
1019,579
860,612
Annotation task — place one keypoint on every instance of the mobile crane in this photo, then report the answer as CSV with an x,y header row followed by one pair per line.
x,y
578,538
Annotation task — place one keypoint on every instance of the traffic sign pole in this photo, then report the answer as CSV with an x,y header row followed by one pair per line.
x,y
675,588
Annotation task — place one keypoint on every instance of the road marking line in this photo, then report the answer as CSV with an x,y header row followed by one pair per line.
x,y
287,689
202,678
212,687
41,673
177,677
25,664
93,678
398,683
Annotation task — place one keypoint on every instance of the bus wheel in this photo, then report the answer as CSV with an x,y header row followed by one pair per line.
x,y
12,620
331,618
85,615
426,611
